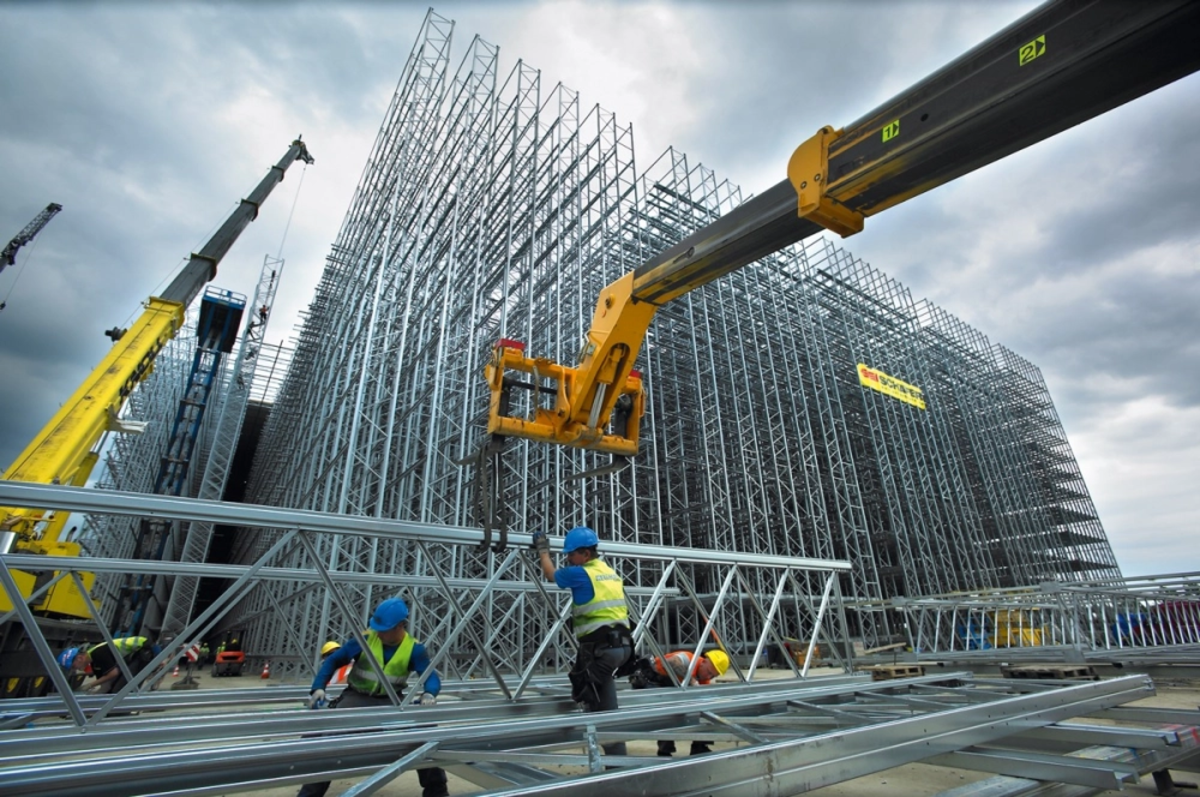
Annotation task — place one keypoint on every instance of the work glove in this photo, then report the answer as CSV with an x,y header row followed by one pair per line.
x,y
316,699
540,543
427,699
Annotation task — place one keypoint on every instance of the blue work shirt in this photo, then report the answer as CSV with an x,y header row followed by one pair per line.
x,y
418,662
576,579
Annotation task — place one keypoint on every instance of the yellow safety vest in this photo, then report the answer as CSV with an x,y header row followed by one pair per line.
x,y
607,606
125,645
362,676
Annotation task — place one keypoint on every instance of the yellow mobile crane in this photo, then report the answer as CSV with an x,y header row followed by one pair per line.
x,y
64,451
1063,63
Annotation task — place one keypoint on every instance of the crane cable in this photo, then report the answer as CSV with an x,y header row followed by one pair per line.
x,y
20,271
292,212
183,261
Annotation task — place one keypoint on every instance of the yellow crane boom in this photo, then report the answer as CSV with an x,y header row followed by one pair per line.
x,y
63,451
1063,63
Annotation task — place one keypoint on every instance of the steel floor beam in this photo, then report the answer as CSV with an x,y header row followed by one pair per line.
x,y
782,741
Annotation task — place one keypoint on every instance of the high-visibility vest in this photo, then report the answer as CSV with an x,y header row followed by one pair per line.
x,y
607,606
362,675
341,675
125,646
678,661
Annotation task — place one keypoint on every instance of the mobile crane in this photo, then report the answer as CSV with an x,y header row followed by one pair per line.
x,y
9,256
63,452
1063,63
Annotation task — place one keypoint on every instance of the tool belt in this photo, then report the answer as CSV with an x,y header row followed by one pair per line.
x,y
610,636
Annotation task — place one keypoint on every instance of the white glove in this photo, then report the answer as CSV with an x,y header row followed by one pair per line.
x,y
317,698
427,699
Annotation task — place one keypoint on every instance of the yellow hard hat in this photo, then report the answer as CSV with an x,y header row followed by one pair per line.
x,y
329,647
719,660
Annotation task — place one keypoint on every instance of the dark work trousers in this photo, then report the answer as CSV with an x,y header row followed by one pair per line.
x,y
599,662
136,662
666,747
432,779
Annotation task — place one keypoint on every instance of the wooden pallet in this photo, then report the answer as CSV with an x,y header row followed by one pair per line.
x,y
1056,672
888,672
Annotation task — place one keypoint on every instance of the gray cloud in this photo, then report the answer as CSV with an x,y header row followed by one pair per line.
x,y
148,122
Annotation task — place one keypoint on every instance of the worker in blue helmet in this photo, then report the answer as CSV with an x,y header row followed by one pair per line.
x,y
66,661
101,661
399,654
599,618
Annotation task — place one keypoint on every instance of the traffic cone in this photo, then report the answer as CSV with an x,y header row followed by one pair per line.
x,y
266,673
176,673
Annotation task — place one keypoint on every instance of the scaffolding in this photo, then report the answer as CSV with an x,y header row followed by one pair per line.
x,y
497,206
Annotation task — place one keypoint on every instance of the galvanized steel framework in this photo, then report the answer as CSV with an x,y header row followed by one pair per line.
x,y
492,205
1135,620
515,731
130,461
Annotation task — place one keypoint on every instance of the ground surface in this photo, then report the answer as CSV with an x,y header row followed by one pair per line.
x,y
911,780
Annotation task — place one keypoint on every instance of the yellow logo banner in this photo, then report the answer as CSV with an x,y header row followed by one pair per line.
x,y
890,385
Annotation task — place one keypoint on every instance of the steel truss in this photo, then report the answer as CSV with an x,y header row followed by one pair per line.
x,y
506,722
1147,620
504,626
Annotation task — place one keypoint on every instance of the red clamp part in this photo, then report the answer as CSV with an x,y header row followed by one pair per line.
x,y
509,343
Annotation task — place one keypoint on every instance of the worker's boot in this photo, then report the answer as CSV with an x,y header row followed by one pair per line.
x,y
433,782
666,749
700,747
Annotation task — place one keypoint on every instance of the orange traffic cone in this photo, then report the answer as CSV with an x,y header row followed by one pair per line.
x,y
176,673
266,673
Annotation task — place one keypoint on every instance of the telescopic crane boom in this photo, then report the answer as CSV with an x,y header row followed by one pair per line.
x,y
62,453
9,256
1064,63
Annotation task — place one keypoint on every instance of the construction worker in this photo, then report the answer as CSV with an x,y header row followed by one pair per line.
x,y
102,661
342,673
653,673
398,654
600,619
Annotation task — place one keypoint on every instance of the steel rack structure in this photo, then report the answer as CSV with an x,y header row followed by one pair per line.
x,y
226,430
495,206
130,462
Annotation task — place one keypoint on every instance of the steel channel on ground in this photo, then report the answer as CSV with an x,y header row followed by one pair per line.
x,y
503,748
244,716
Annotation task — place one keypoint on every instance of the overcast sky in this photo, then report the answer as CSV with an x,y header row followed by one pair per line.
x,y
148,122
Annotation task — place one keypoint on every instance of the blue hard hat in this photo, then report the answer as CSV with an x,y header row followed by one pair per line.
x,y
389,614
67,658
580,537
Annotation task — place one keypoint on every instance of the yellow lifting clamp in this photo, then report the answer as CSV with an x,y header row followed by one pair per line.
x,y
808,171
